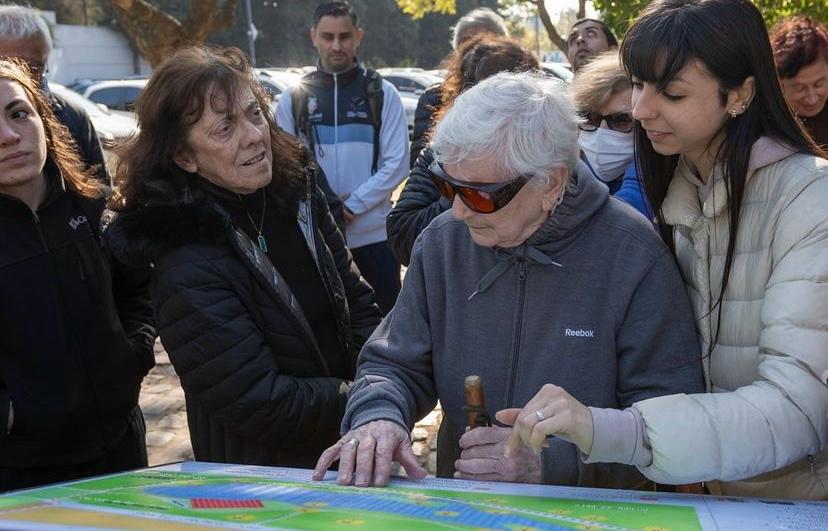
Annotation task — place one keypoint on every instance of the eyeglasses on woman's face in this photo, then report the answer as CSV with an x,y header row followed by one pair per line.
x,y
619,121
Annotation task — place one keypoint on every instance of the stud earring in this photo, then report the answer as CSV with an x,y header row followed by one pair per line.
x,y
734,113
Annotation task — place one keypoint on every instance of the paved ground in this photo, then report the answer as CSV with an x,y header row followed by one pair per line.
x,y
168,439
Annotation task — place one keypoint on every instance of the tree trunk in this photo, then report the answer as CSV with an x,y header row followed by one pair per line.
x,y
156,34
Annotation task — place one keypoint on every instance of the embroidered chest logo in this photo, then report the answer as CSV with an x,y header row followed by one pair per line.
x,y
77,222
568,332
358,108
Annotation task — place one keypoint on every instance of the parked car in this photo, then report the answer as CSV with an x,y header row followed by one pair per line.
x,y
412,80
276,80
117,94
112,128
409,101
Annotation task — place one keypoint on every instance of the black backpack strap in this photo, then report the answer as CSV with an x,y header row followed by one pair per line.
x,y
374,95
299,105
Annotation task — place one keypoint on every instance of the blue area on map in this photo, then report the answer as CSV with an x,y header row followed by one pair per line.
x,y
375,500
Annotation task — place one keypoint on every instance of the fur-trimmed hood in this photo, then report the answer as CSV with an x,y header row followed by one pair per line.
x,y
141,236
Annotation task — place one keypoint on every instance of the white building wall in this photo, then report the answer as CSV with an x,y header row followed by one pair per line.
x,y
91,52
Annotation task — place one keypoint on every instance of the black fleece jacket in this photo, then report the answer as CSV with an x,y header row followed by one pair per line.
x,y
77,333
258,389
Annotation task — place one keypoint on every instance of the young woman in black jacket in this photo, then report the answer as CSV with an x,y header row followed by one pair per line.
x,y
77,329
258,302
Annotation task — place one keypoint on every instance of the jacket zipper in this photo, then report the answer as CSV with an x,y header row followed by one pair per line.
x,y
336,127
317,254
518,329
39,230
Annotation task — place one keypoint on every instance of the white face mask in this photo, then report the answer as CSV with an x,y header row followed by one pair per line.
x,y
608,152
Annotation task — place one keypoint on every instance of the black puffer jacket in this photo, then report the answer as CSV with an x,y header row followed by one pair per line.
x,y
418,204
258,389
427,105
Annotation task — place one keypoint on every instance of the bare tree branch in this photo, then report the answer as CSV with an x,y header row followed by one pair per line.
x,y
554,36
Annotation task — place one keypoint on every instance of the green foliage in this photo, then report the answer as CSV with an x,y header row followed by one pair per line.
x,y
419,8
619,14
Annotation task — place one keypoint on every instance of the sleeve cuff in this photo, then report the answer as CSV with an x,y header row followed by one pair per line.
x,y
618,437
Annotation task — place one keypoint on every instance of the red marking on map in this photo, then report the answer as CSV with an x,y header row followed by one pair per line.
x,y
208,503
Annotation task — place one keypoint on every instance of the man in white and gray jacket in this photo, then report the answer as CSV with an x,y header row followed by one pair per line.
x,y
354,122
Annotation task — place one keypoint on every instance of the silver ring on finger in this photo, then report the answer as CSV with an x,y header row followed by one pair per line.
x,y
540,416
353,441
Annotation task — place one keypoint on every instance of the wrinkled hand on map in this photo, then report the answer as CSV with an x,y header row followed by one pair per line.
x,y
365,454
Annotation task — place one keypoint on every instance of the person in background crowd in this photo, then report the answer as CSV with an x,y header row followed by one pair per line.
x,y
364,160
258,302
588,38
24,35
800,48
420,201
504,286
740,194
78,331
480,21
602,93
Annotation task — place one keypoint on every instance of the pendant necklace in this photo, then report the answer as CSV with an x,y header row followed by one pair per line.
x,y
260,239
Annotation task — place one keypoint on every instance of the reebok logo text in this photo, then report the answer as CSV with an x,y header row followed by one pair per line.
x,y
579,333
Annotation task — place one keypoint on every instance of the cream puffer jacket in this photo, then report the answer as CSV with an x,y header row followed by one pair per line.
x,y
766,409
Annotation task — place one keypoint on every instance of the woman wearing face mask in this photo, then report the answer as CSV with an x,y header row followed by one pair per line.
x,y
257,299
602,93
741,196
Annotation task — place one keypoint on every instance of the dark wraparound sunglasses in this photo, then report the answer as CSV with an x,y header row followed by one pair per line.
x,y
620,121
484,198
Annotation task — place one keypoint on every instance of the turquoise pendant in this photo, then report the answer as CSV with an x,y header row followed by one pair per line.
x,y
262,243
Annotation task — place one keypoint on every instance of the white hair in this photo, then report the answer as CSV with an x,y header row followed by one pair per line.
x,y
18,22
525,123
480,19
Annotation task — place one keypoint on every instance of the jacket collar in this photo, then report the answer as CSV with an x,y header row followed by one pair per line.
x,y
682,205
342,77
581,200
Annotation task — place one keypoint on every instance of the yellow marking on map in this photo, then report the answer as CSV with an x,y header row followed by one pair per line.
x,y
350,521
241,517
315,504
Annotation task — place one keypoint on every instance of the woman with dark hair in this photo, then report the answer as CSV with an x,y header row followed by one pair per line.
x,y
800,47
77,329
420,201
258,302
741,195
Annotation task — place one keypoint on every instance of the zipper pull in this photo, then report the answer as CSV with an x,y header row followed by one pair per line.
x,y
813,465
80,268
522,270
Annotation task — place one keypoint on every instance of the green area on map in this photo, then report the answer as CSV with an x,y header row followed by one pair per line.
x,y
288,504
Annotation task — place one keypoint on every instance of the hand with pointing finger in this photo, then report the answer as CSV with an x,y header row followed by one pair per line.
x,y
552,411
365,455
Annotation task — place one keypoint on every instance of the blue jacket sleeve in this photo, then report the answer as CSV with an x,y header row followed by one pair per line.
x,y
632,192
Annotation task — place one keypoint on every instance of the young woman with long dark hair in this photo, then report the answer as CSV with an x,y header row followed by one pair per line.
x,y
740,193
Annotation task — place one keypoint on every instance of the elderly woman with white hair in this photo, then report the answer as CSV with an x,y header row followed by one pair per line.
x,y
536,275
